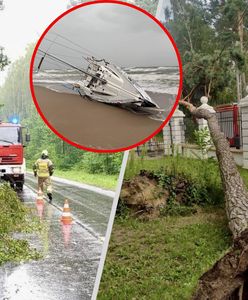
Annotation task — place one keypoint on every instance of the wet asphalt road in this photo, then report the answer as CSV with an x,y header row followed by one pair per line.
x,y
70,253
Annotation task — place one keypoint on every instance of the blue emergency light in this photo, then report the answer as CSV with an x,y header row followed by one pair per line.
x,y
14,119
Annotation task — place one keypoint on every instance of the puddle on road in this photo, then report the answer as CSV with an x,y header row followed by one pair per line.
x,y
91,208
68,269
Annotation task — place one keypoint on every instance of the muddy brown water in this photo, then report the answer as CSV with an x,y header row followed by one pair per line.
x,y
97,125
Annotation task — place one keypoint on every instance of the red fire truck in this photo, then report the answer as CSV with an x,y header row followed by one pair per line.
x,y
12,161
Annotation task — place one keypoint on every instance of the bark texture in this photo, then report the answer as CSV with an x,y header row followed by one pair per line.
x,y
236,194
227,279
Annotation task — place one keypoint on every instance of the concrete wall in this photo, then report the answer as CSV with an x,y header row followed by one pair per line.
x,y
189,150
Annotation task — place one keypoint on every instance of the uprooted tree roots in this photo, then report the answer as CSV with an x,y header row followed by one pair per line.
x,y
143,195
151,194
228,278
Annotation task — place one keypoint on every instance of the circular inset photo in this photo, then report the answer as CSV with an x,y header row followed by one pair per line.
x,y
106,76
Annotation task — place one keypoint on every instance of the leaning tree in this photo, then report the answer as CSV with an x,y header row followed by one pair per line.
x,y
228,278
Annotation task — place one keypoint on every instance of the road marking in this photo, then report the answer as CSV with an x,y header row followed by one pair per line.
x,y
88,187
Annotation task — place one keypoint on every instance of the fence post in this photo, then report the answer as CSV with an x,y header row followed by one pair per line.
x,y
202,124
174,133
243,104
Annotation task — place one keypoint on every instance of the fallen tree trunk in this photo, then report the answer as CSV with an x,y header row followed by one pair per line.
x,y
227,278
229,274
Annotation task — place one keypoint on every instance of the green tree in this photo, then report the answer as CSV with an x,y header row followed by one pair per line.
x,y
4,61
15,93
208,35
17,99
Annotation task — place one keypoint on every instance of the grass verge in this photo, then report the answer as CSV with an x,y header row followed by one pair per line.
x,y
195,168
15,217
162,258
100,180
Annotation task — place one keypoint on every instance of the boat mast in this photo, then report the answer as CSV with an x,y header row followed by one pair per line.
x,y
104,81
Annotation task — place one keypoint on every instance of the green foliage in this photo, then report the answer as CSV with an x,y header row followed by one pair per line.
x,y
4,61
13,218
15,95
200,178
101,163
207,35
190,126
12,212
149,5
16,250
203,140
64,156
122,211
190,190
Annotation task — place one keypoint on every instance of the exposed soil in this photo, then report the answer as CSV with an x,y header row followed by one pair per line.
x,y
228,278
143,195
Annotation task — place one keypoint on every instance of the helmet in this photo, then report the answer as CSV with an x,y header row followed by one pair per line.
x,y
44,153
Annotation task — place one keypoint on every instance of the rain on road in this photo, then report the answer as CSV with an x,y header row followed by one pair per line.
x,y
71,254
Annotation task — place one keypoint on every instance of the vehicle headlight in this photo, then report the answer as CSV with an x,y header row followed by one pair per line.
x,y
16,170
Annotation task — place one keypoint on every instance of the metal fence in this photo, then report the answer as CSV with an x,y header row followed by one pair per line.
x,y
151,148
231,126
178,133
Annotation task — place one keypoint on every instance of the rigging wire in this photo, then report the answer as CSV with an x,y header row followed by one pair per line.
x,y
67,47
104,81
74,43
56,64
68,64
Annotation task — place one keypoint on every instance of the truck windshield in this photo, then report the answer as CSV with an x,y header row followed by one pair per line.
x,y
10,135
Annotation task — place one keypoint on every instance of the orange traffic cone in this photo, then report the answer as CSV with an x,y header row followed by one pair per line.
x,y
40,203
39,199
66,228
66,215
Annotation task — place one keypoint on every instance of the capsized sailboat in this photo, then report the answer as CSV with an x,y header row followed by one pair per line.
x,y
105,82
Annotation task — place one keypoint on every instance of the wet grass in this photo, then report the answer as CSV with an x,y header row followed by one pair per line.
x,y
100,180
195,168
162,258
15,217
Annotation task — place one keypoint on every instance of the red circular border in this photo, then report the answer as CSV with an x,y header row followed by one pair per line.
x,y
111,150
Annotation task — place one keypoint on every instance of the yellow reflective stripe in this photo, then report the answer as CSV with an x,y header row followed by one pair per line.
x,y
42,169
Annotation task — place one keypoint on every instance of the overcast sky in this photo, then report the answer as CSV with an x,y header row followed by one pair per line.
x,y
117,33
22,21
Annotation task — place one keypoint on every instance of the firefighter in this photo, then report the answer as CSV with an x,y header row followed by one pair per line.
x,y
43,168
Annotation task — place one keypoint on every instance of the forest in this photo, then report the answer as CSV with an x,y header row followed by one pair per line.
x,y
16,100
212,39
